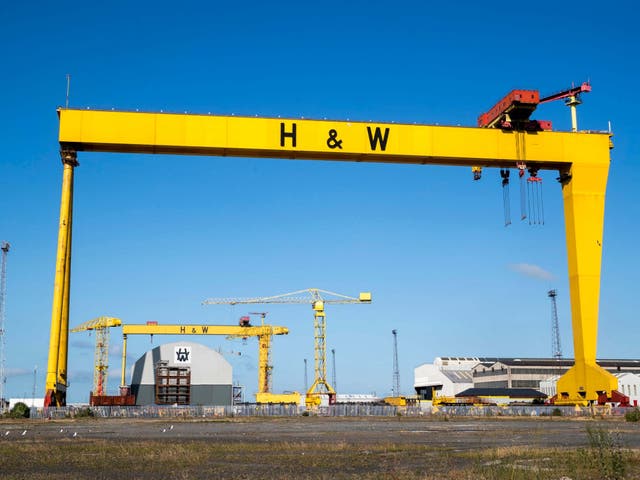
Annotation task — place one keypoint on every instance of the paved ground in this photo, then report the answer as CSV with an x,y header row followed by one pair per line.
x,y
462,434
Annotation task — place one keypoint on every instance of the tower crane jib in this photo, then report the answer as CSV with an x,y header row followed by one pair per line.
x,y
318,299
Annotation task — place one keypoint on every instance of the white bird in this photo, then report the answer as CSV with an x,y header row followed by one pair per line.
x,y
61,430
164,430
6,433
75,434
24,433
171,428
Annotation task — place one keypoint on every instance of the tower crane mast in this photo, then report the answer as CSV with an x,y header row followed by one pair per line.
x,y
101,326
317,298
396,368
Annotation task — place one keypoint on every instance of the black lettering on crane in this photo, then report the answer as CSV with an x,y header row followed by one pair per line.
x,y
378,137
205,329
291,134
183,329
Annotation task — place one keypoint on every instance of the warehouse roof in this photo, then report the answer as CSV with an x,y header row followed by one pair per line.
x,y
563,362
502,392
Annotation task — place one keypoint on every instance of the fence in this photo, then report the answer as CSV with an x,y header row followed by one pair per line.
x,y
339,410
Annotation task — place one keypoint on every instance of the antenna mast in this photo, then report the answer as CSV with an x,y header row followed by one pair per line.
x,y
333,368
556,349
396,369
3,290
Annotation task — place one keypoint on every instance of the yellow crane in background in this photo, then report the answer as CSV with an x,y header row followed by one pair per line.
x,y
317,298
244,330
101,326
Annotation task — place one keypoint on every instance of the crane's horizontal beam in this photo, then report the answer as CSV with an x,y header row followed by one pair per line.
x,y
203,330
97,323
313,295
188,134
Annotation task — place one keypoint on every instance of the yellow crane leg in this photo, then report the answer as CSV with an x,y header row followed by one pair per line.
x,y
64,318
123,385
56,381
264,368
584,196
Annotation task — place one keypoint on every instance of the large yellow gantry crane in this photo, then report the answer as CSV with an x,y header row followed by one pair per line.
x,y
101,326
317,298
263,332
581,158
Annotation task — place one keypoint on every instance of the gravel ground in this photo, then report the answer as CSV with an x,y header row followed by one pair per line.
x,y
463,434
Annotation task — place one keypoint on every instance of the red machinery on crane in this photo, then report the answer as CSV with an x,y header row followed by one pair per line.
x,y
515,109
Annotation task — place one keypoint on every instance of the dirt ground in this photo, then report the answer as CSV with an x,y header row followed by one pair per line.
x,y
463,434
293,447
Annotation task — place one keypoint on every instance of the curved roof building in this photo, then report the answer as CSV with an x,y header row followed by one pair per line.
x,y
182,373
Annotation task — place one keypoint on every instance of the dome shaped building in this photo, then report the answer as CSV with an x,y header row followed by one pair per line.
x,y
182,373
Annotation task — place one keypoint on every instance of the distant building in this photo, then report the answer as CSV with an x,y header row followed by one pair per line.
x,y
357,398
448,376
182,373
29,402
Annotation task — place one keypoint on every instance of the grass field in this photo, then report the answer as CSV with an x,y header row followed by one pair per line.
x,y
314,449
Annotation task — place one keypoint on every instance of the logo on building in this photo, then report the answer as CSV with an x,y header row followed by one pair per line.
x,y
182,354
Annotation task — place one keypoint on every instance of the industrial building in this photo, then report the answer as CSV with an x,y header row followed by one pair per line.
x,y
448,376
182,373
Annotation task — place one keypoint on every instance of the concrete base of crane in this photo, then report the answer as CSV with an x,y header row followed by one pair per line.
x,y
583,384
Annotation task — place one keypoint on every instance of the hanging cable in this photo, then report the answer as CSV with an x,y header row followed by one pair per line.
x,y
523,189
536,206
504,173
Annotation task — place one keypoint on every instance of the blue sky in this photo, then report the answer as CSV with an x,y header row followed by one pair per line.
x,y
156,235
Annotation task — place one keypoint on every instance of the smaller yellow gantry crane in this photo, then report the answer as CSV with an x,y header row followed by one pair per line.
x,y
317,298
244,330
101,326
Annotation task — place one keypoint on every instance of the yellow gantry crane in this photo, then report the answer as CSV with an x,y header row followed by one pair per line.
x,y
101,326
580,158
263,333
317,298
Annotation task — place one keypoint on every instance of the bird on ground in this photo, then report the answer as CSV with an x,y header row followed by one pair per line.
x,y
24,433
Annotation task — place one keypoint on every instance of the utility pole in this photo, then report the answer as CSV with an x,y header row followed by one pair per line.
x,y
35,376
3,291
333,358
556,349
396,368
306,380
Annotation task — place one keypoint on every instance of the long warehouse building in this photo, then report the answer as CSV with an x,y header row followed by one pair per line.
x,y
448,376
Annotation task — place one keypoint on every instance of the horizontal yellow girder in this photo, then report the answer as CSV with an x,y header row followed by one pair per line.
x,y
186,134
203,330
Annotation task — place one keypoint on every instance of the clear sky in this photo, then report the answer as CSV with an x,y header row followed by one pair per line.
x,y
156,235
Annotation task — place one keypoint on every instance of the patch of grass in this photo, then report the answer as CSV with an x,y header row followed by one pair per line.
x,y
606,453
19,410
633,415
